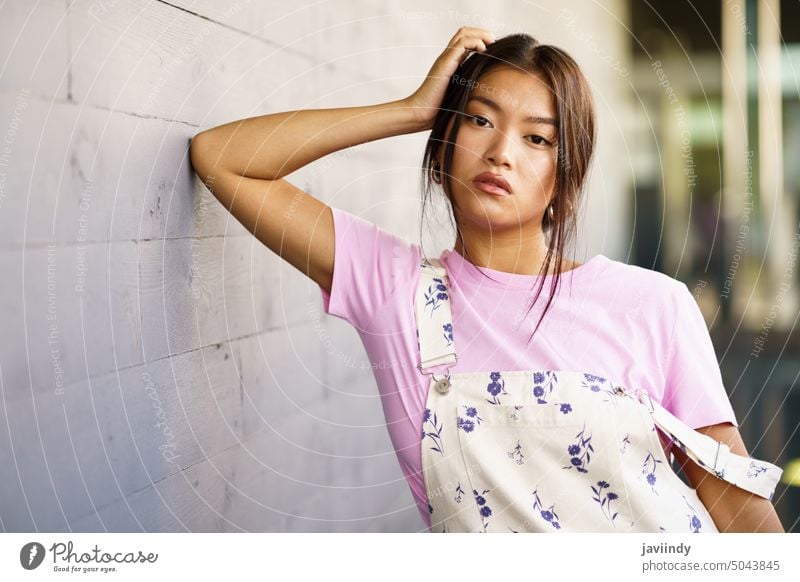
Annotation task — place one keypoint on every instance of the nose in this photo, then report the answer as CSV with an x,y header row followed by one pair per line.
x,y
498,151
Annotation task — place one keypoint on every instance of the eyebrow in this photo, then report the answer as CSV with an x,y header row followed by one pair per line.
x,y
532,118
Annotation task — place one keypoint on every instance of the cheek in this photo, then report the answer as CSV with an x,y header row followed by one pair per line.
x,y
543,168
538,179
473,140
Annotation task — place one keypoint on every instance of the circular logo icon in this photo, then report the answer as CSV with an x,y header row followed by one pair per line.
x,y
31,555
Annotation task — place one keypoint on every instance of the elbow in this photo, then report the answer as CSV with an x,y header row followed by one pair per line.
x,y
199,155
205,155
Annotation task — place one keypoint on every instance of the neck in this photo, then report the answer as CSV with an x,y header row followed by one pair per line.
x,y
507,253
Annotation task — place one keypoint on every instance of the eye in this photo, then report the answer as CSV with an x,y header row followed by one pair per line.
x,y
542,141
481,121
476,118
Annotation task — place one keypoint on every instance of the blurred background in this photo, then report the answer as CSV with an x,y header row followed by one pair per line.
x,y
160,370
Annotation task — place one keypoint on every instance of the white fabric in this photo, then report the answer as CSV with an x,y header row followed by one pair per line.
x,y
554,450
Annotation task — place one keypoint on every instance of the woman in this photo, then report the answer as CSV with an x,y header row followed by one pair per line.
x,y
512,134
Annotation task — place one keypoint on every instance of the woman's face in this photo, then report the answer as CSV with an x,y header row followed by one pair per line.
x,y
509,129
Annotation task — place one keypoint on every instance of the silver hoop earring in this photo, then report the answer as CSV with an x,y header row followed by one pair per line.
x,y
436,175
551,212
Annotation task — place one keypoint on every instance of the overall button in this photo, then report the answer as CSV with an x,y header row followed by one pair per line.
x,y
443,386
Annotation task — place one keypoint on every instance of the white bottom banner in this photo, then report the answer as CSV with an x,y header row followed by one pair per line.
x,y
392,556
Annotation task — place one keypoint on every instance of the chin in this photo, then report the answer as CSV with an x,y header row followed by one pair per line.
x,y
495,222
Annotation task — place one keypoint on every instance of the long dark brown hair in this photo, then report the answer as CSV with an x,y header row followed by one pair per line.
x,y
576,136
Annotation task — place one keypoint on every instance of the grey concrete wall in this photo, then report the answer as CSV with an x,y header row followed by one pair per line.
x,y
160,370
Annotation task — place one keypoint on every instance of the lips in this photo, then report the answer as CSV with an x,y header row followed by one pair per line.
x,y
492,184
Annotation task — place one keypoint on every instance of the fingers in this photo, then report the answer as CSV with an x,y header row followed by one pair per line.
x,y
467,39
474,44
470,39
473,32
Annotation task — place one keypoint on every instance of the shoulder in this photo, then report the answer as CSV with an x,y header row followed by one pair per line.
x,y
642,286
638,273
366,237
390,256
371,263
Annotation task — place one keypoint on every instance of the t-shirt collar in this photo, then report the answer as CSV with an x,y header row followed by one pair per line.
x,y
463,270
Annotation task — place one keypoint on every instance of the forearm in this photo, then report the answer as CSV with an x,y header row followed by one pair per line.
x,y
272,146
740,511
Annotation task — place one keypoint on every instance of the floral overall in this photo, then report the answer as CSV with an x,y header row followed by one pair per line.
x,y
554,450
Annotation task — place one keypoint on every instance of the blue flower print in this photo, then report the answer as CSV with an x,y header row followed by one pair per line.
x,y
483,508
754,470
694,522
516,453
549,514
459,493
468,424
649,467
435,295
495,387
597,384
625,443
593,378
543,384
566,408
447,332
579,452
436,434
605,500
465,424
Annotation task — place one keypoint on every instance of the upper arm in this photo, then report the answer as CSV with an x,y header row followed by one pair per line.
x,y
293,224
699,478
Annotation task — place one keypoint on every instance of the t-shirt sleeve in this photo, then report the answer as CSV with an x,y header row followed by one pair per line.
x,y
694,391
369,264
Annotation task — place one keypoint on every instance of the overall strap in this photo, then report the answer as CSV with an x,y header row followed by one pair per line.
x,y
434,317
755,476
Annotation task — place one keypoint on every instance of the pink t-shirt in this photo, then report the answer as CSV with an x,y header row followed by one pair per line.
x,y
627,323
